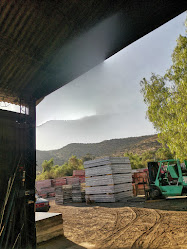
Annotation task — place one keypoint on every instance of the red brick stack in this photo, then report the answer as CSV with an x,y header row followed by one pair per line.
x,y
45,188
80,174
140,182
71,180
60,181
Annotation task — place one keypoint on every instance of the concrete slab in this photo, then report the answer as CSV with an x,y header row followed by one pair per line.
x,y
48,226
45,215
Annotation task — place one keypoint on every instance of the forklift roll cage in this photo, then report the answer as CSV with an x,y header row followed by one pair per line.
x,y
170,182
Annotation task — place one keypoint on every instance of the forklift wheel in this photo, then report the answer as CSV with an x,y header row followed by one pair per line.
x,y
154,194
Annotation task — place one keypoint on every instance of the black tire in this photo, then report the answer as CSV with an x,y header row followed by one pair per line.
x,y
155,194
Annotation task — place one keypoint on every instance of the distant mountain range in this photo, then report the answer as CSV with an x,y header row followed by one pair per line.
x,y
106,148
56,134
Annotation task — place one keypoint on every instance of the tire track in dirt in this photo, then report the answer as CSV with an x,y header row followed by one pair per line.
x,y
146,239
126,233
125,227
117,229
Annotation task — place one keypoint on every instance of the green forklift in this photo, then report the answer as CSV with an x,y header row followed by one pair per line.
x,y
166,178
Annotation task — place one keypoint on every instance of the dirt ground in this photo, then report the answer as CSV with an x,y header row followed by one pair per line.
x,y
134,224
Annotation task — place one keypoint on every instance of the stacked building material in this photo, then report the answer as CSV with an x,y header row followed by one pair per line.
x,y
63,194
76,193
47,192
45,189
140,180
72,180
79,174
60,181
83,185
48,226
43,184
59,196
108,179
67,193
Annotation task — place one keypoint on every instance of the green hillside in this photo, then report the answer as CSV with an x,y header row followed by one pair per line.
x,y
111,147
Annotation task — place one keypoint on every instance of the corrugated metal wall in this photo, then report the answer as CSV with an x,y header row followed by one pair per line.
x,y
17,171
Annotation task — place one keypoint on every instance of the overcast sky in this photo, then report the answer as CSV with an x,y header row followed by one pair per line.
x,y
106,102
113,87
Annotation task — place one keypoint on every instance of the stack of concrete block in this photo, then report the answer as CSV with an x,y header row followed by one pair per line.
x,y
76,193
72,180
60,181
63,194
67,193
79,174
59,196
45,188
83,191
108,179
48,226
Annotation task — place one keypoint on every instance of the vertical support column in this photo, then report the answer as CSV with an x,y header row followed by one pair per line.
x,y
30,176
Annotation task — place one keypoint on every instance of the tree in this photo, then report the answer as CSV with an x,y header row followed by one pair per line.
x,y
166,98
88,157
164,154
73,164
136,160
47,165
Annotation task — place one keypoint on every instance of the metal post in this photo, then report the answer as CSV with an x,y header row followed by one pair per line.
x,y
30,176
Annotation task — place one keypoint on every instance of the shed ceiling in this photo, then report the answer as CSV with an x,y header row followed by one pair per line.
x,y
44,44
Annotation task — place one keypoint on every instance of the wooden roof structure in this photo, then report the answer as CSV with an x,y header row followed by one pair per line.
x,y
44,44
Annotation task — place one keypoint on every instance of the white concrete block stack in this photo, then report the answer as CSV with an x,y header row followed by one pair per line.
x,y
108,179
76,193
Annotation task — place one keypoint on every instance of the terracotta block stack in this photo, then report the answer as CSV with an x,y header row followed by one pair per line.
x,y
45,188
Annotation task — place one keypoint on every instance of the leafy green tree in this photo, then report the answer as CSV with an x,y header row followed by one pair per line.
x,y
148,156
164,154
87,157
136,161
166,98
47,165
73,164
